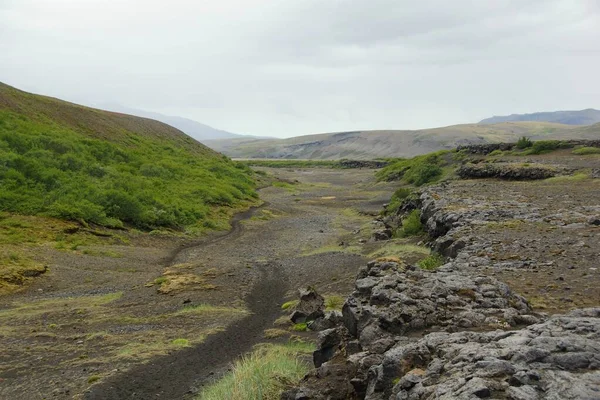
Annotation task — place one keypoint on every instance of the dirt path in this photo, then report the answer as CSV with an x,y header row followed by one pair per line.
x,y
180,374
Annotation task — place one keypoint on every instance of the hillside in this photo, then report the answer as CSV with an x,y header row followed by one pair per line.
x,y
195,129
582,117
396,143
72,162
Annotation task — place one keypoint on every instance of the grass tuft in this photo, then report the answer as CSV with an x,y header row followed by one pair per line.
x,y
264,374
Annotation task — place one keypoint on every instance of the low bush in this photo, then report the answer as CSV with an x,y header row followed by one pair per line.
x,y
431,262
584,151
397,200
417,171
411,225
524,143
545,146
54,170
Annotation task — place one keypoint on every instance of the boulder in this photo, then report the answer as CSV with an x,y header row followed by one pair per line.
x,y
310,308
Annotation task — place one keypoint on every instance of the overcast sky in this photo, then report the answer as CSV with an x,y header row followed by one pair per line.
x,y
293,67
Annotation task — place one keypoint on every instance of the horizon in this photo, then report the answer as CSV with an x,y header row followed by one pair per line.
x,y
255,67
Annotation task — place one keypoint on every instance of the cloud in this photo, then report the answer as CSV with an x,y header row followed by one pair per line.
x,y
304,66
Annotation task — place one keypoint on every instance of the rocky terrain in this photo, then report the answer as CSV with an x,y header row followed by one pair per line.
x,y
512,314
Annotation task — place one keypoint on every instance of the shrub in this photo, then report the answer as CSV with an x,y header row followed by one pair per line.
x,y
397,199
411,225
418,170
524,143
545,146
50,169
423,173
583,151
431,262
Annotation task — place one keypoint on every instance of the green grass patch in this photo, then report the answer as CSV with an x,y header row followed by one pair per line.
x,y
545,146
180,342
207,309
411,225
417,171
334,302
431,262
289,305
300,327
580,176
264,374
584,151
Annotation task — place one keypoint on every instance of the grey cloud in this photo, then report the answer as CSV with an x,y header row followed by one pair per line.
x,y
306,66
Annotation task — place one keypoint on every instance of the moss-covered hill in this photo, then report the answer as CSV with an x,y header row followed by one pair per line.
x,y
73,162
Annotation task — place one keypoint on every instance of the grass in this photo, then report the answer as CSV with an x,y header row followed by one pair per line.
x,y
584,151
580,176
300,327
262,375
411,225
290,305
416,171
431,262
334,302
207,308
398,198
180,342
34,309
63,161
394,249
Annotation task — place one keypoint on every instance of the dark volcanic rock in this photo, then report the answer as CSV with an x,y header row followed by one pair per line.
x,y
505,171
556,359
311,307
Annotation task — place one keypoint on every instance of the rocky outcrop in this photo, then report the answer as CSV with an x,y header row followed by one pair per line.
x,y
310,307
556,359
484,149
510,171
456,333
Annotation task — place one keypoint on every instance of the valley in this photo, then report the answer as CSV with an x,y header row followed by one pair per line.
x,y
114,315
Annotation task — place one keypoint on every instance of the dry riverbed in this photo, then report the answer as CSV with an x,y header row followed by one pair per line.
x,y
139,316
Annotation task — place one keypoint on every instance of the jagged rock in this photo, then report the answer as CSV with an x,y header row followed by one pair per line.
x,y
394,302
330,320
558,359
383,234
311,307
509,171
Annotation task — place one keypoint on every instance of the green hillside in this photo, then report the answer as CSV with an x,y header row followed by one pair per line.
x,y
72,162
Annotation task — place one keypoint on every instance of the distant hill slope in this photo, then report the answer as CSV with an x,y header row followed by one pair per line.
x,y
583,117
374,144
190,127
73,162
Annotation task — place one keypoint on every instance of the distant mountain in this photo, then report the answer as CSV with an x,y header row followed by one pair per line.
x,y
583,117
363,145
192,128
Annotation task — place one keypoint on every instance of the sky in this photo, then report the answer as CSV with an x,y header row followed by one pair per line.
x,y
293,67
